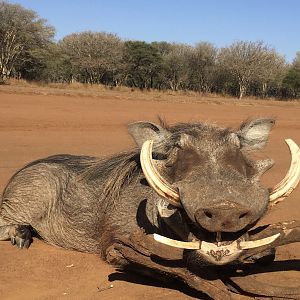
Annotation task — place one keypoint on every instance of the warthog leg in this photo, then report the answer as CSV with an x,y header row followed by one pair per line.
x,y
19,235
140,251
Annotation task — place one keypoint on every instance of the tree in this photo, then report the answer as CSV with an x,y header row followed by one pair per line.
x,y
201,67
162,77
176,66
291,82
142,64
247,62
92,54
272,72
48,64
164,48
21,31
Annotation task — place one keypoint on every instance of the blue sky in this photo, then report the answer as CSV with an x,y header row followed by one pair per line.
x,y
220,22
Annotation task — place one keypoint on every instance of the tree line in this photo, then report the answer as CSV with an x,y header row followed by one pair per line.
x,y
28,51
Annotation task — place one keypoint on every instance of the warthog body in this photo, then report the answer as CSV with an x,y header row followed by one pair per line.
x,y
97,205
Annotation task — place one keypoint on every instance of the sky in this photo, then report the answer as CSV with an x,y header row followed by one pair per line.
x,y
220,22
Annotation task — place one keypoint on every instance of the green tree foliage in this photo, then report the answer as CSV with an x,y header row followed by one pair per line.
x,y
48,64
21,31
291,82
142,64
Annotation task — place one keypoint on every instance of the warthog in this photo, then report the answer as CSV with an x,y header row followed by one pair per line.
x,y
184,201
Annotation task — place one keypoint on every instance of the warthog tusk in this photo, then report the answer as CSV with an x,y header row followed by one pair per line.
x,y
177,244
258,243
241,245
292,178
217,254
155,180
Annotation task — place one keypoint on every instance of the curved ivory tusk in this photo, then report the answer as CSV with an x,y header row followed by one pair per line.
x,y
292,178
155,180
241,245
258,243
217,254
177,244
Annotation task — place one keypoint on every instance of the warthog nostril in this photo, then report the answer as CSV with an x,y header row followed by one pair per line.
x,y
208,214
223,218
243,215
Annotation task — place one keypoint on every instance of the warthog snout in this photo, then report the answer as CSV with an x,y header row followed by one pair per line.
x,y
224,218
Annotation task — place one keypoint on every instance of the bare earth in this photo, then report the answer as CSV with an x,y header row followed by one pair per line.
x,y
35,124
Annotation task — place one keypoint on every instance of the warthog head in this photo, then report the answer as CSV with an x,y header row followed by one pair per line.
x,y
211,185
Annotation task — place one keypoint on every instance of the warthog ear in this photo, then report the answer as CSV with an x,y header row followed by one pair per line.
x,y
254,134
143,131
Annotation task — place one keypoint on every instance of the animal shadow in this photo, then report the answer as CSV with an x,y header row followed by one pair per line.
x,y
173,284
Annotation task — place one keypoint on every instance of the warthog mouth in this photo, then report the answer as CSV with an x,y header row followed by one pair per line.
x,y
218,252
221,251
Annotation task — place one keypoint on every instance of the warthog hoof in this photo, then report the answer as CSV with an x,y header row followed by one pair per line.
x,y
22,237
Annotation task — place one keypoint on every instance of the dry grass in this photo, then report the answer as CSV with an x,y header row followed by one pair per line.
x,y
77,89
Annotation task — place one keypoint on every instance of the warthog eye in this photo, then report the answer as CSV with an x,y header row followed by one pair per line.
x,y
208,214
182,162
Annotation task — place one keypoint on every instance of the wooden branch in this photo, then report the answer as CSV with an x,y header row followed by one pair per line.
x,y
289,233
213,288
140,249
252,286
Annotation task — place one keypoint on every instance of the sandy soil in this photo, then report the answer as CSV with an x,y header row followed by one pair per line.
x,y
35,125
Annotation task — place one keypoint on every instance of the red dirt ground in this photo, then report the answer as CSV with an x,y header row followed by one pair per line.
x,y
37,125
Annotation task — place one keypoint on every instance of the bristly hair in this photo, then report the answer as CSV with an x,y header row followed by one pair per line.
x,y
115,172
163,122
72,162
197,130
112,174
